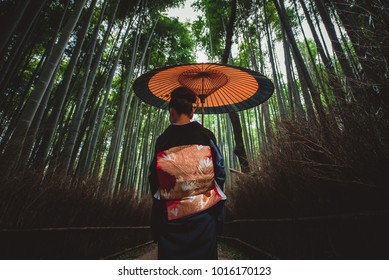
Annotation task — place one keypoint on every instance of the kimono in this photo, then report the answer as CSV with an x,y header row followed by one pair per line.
x,y
186,179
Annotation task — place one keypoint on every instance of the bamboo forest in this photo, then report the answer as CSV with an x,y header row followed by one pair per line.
x,y
307,170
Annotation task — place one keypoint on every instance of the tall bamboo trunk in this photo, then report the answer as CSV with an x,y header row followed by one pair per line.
x,y
110,167
361,43
314,66
91,67
367,25
333,79
12,23
62,93
90,145
344,63
18,51
239,150
265,106
12,152
37,121
299,60
273,66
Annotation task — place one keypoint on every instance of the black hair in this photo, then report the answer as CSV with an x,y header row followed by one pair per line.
x,y
181,100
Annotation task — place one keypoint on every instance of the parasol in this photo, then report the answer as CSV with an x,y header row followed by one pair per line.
x,y
220,88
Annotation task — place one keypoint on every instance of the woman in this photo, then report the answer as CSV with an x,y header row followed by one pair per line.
x,y
186,179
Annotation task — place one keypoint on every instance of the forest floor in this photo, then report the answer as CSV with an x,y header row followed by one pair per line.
x,y
149,252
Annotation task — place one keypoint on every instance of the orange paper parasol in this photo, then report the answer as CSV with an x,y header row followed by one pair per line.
x,y
220,88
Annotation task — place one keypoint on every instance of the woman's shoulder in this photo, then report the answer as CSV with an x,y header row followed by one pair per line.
x,y
191,133
207,132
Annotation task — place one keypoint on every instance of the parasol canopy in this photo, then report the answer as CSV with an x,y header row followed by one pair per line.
x,y
220,88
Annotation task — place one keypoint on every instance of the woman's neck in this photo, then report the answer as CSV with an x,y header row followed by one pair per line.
x,y
183,119
176,118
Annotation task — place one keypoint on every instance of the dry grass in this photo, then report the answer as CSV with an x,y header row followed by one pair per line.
x,y
58,203
26,203
308,173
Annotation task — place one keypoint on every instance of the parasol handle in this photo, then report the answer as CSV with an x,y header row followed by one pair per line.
x,y
202,110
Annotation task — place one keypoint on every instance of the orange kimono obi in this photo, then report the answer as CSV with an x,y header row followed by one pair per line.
x,y
186,180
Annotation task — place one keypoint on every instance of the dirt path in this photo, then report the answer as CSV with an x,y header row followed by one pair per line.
x,y
152,255
149,255
149,252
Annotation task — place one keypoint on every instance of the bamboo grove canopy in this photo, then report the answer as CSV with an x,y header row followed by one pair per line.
x,y
220,88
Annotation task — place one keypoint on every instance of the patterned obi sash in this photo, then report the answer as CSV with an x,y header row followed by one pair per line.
x,y
187,180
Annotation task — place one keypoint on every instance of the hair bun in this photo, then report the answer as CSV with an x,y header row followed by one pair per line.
x,y
182,99
183,93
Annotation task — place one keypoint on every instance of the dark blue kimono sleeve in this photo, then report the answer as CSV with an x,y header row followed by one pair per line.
x,y
157,207
153,178
218,162
220,177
